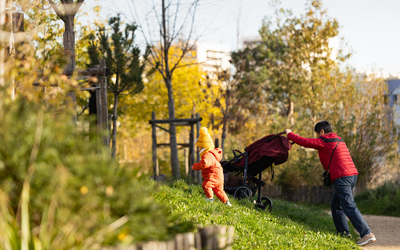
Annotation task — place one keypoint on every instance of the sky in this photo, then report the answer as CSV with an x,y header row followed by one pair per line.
x,y
370,28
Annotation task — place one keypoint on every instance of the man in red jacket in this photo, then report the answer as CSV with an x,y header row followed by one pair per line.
x,y
336,159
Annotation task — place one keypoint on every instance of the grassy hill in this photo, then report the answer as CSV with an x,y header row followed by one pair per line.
x,y
289,226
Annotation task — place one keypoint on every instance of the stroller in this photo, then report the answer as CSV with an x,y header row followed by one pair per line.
x,y
269,150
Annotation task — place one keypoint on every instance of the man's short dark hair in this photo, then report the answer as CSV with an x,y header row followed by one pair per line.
x,y
326,126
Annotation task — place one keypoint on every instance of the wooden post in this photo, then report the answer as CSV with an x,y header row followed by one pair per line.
x,y
186,157
207,234
150,245
216,237
199,177
192,150
170,245
185,241
208,238
224,237
154,145
18,22
216,144
71,103
69,48
99,115
197,240
104,103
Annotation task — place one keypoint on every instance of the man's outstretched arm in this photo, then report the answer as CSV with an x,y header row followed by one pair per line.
x,y
303,141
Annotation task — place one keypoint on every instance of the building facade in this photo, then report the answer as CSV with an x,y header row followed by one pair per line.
x,y
394,99
214,58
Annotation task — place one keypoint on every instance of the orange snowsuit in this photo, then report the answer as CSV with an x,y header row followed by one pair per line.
x,y
213,174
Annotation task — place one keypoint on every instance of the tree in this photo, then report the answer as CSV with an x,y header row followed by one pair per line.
x,y
195,95
296,55
171,34
123,60
234,99
304,82
3,5
70,8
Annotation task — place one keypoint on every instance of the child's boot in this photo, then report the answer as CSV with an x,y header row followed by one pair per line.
x,y
210,199
228,204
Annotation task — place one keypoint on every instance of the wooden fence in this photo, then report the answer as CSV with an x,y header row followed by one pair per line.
x,y
302,194
208,238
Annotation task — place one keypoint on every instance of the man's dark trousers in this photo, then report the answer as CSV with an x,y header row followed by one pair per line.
x,y
343,205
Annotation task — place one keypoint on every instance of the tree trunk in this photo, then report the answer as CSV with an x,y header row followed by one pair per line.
x,y
171,102
69,48
69,44
290,113
2,47
172,128
226,114
93,111
224,129
114,129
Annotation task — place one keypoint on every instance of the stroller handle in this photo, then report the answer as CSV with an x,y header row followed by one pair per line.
x,y
281,133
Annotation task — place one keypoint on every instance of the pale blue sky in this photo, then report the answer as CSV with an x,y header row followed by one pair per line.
x,y
370,27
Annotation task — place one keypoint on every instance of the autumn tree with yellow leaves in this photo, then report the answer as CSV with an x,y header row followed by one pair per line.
x,y
172,31
193,94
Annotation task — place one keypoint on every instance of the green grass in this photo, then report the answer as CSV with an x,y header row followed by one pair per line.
x,y
384,200
289,226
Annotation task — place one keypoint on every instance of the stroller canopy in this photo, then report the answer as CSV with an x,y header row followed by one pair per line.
x,y
276,148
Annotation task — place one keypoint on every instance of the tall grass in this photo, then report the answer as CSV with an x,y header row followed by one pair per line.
x,y
384,200
289,226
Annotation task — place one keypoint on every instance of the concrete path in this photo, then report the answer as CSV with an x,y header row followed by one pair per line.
x,y
386,230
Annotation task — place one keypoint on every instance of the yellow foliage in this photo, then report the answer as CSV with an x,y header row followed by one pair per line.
x,y
191,96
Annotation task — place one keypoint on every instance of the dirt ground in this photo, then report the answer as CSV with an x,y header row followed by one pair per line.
x,y
386,230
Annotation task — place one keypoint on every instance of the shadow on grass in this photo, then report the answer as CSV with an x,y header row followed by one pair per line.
x,y
314,217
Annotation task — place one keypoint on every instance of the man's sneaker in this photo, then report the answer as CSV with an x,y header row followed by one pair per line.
x,y
228,204
210,199
367,239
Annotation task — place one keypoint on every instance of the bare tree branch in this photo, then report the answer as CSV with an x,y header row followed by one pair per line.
x,y
154,52
158,20
58,12
184,21
78,5
176,17
186,47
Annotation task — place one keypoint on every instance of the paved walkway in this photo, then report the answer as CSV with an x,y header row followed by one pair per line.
x,y
386,230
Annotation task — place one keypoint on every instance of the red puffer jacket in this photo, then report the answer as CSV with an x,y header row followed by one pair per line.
x,y
341,164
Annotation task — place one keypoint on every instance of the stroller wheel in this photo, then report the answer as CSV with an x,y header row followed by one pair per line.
x,y
242,193
266,203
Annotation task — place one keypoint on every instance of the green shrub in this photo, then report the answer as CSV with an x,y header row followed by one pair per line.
x,y
384,200
78,196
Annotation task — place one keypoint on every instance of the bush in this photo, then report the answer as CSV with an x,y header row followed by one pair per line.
x,y
78,196
384,200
